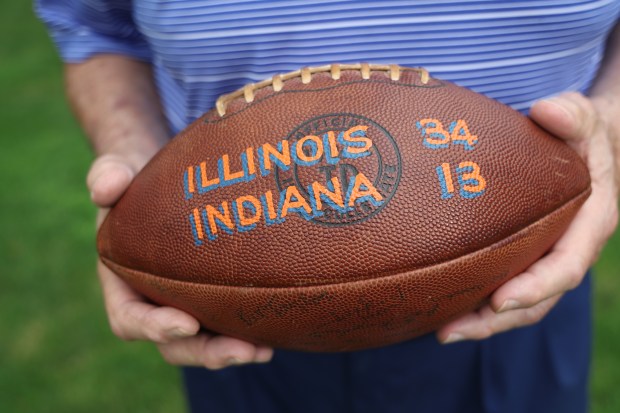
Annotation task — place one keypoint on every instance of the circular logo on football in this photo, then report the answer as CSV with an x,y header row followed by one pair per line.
x,y
347,167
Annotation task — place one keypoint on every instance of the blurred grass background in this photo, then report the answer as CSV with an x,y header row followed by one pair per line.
x,y
56,351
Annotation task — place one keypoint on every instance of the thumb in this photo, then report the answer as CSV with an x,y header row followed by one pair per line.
x,y
108,178
569,116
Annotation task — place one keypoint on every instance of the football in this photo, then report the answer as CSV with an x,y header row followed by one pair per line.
x,y
342,207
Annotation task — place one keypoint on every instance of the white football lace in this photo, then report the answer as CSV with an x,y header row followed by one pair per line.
x,y
277,81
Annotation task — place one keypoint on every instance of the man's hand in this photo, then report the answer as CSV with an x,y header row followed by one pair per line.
x,y
115,100
590,127
132,318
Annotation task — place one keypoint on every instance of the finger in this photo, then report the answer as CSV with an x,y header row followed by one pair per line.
x,y
131,318
101,214
563,268
108,178
559,271
573,118
233,351
213,352
486,322
570,116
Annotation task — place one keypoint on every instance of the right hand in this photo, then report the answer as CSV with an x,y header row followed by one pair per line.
x,y
176,333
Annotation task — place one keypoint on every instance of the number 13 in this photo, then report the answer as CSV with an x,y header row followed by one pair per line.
x,y
471,183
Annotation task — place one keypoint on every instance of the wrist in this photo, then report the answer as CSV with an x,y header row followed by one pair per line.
x,y
116,102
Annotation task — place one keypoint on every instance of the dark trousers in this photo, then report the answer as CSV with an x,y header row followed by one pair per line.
x,y
542,368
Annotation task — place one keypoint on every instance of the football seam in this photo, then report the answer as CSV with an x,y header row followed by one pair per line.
x,y
584,194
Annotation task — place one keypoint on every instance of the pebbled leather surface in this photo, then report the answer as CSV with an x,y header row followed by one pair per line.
x,y
407,269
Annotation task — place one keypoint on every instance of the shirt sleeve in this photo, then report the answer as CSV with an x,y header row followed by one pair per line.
x,y
83,28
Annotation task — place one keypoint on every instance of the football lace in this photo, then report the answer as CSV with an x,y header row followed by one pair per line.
x,y
277,81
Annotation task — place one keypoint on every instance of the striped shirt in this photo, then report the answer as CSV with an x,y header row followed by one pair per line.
x,y
513,51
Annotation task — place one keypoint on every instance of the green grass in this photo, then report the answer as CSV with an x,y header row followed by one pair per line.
x,y
606,369
56,351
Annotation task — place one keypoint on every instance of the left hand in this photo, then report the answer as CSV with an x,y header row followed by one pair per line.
x,y
587,125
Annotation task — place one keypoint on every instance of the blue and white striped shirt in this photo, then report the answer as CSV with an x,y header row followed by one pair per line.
x,y
515,51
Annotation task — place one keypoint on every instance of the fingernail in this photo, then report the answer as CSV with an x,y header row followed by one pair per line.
x,y
234,361
92,189
263,356
453,338
93,185
178,332
508,305
558,102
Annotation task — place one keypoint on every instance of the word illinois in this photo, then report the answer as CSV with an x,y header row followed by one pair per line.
x,y
271,207
307,151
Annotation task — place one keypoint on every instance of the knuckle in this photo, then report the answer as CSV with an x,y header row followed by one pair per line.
x,y
589,121
528,293
212,362
99,166
613,221
218,362
156,336
532,297
575,274
589,125
532,316
167,355
123,322
485,332
582,101
149,325
118,330
574,279
584,104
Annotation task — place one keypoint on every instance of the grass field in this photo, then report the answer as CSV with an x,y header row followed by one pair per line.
x,y
56,351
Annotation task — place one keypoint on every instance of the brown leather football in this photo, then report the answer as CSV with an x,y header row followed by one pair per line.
x,y
343,207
